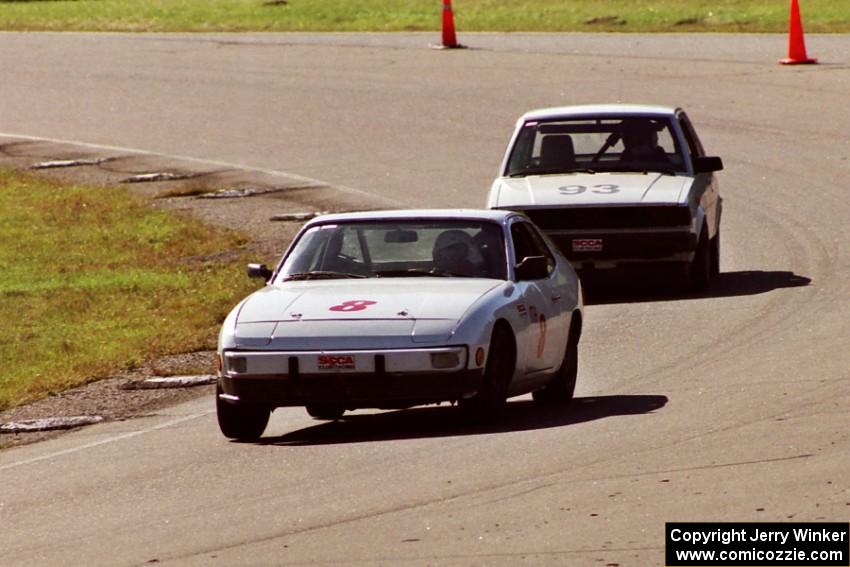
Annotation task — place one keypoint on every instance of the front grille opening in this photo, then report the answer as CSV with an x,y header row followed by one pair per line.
x,y
590,218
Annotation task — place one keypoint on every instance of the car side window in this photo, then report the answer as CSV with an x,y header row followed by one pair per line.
x,y
540,246
528,242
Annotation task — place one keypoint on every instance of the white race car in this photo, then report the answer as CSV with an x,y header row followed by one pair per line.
x,y
616,186
393,309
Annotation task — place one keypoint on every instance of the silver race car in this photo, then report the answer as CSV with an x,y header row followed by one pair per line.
x,y
394,309
616,186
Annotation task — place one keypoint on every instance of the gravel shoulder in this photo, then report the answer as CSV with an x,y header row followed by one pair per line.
x,y
268,206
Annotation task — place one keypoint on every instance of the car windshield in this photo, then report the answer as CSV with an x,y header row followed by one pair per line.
x,y
398,248
618,143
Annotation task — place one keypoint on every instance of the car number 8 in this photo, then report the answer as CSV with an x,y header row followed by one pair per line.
x,y
353,305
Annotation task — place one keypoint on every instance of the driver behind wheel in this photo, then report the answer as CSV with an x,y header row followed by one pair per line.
x,y
452,253
640,139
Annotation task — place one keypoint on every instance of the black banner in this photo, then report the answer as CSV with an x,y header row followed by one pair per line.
x,y
759,544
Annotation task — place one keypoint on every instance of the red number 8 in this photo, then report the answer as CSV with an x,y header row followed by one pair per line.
x,y
353,305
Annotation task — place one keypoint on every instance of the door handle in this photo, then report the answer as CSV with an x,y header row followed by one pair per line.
x,y
556,296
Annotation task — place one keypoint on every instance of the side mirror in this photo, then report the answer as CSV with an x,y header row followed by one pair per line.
x,y
707,164
259,271
532,268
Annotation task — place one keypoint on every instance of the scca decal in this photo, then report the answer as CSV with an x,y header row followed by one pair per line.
x,y
327,362
352,305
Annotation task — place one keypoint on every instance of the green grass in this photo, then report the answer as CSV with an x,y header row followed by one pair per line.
x,y
94,280
421,15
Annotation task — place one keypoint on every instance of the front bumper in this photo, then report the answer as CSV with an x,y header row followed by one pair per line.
x,y
352,390
607,236
352,379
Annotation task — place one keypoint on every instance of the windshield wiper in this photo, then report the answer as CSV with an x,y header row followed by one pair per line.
x,y
537,171
637,168
412,272
320,275
418,272
551,171
661,170
448,274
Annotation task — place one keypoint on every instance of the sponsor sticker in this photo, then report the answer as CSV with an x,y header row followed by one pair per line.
x,y
587,245
336,362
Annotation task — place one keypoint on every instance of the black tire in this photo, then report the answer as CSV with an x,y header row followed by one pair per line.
x,y
714,247
240,422
699,271
325,411
488,403
563,385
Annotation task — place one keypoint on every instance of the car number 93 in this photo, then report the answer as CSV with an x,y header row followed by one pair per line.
x,y
603,189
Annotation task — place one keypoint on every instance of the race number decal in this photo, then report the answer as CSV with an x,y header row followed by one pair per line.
x,y
353,305
603,189
572,189
541,342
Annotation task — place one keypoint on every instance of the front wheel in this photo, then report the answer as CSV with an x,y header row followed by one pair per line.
x,y
715,255
501,361
240,422
699,271
563,385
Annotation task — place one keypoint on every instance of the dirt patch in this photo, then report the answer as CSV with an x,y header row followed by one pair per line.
x,y
244,200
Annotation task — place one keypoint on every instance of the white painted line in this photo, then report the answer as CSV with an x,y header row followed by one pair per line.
x,y
104,441
292,176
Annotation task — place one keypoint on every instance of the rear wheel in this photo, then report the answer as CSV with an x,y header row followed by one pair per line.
x,y
562,387
240,422
501,361
325,411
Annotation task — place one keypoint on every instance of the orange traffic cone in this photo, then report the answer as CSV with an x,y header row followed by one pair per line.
x,y
449,37
796,43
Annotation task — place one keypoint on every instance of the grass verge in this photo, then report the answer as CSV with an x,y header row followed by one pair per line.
x,y
94,280
421,15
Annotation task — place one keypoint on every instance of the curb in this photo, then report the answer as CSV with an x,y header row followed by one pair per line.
x,y
158,382
49,423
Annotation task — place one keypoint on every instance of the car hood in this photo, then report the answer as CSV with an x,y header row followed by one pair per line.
x,y
588,189
354,313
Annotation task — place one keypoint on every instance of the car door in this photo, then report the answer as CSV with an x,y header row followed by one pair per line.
x,y
541,341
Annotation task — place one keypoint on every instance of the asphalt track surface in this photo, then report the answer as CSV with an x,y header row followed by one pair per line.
x,y
727,406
